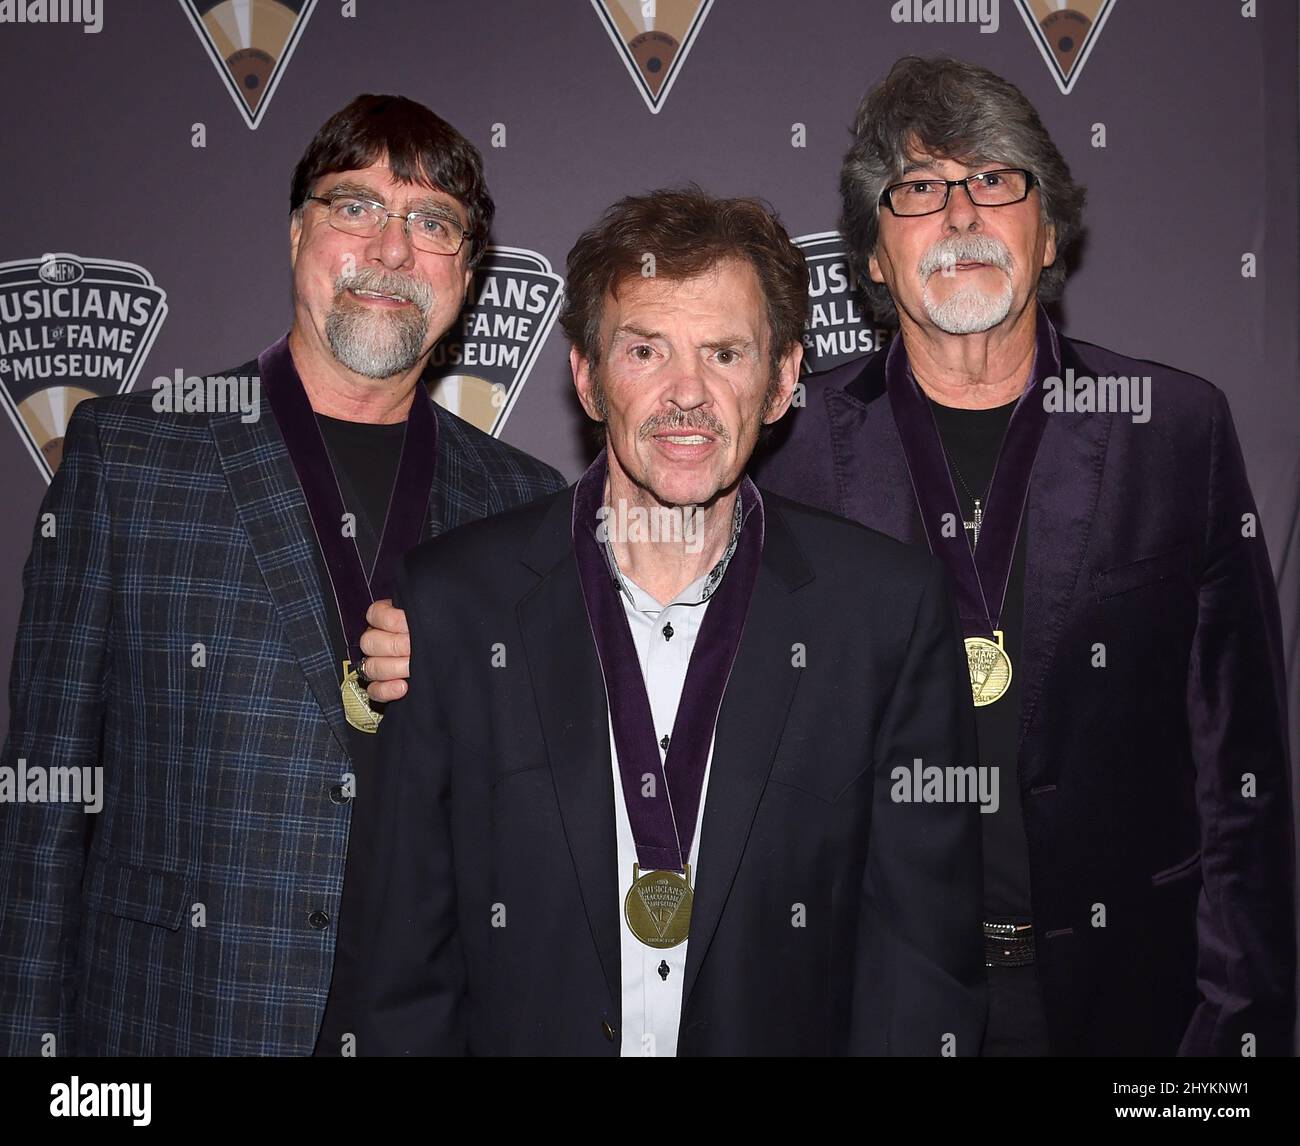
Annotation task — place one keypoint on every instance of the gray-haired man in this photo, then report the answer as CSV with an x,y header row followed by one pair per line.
x,y
1121,625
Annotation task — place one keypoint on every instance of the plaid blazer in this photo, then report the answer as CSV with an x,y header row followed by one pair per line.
x,y
172,632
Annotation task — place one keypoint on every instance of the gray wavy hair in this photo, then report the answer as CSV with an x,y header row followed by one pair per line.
x,y
952,110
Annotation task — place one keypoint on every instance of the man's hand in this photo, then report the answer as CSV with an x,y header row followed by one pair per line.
x,y
387,645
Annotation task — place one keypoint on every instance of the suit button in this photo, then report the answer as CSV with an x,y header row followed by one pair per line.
x,y
609,1031
319,920
337,794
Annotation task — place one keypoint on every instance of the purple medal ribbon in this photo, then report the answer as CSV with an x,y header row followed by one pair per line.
x,y
663,825
354,591
980,576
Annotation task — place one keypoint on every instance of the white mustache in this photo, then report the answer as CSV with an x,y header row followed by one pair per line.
x,y
965,249
380,282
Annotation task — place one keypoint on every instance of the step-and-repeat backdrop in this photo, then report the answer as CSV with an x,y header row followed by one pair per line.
x,y
148,146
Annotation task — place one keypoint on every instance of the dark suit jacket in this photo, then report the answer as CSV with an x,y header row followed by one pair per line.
x,y
495,908
223,781
1131,775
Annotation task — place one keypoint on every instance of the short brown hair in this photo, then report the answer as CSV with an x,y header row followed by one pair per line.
x,y
687,231
420,147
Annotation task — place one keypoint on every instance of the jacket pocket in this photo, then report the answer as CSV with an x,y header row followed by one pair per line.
x,y
1180,870
144,894
1135,574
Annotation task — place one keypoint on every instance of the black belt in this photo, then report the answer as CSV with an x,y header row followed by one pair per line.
x,y
1008,944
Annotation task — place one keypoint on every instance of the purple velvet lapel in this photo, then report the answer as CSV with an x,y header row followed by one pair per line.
x,y
1063,500
871,481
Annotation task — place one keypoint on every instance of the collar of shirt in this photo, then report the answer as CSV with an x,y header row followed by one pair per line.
x,y
696,593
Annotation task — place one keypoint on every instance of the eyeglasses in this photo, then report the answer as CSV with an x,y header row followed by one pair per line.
x,y
998,188
438,234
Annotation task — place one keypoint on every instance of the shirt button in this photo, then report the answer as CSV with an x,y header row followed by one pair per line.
x,y
609,1031
668,631
318,920
337,794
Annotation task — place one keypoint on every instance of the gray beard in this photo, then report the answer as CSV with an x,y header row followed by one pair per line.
x,y
375,345
968,311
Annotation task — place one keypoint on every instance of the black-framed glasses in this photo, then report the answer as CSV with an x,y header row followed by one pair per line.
x,y
427,230
998,188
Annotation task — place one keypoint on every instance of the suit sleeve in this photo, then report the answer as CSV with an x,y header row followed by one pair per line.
x,y
920,976
57,690
1236,703
411,971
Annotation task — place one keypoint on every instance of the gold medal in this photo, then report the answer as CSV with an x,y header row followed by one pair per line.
x,y
658,907
990,668
357,706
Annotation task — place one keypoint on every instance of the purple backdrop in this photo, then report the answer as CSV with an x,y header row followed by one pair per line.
x,y
1197,100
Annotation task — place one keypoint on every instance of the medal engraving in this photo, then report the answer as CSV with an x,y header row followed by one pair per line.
x,y
357,706
658,907
990,668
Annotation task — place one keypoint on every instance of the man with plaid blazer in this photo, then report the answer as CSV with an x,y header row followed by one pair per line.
x,y
178,634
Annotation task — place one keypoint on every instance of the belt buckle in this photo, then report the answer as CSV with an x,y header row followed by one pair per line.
x,y
1008,944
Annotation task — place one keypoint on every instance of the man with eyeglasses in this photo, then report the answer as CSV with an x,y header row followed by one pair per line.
x,y
192,628
1120,614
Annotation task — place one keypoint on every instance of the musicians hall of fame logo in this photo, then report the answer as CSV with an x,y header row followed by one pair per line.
x,y
250,43
1065,32
70,328
839,326
653,37
479,369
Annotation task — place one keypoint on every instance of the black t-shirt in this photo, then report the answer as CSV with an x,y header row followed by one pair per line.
x,y
365,458
972,439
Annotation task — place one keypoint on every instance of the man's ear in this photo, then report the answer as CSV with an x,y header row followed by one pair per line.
x,y
295,236
873,269
787,373
1049,248
582,382
469,284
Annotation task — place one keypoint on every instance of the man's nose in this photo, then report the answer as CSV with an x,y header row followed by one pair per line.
x,y
687,390
961,213
392,246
